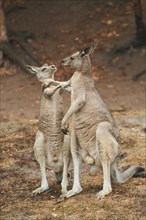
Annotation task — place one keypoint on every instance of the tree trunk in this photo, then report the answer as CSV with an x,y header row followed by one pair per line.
x,y
3,32
140,27
21,55
3,29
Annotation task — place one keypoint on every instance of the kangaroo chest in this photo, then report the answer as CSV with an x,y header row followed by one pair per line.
x,y
51,115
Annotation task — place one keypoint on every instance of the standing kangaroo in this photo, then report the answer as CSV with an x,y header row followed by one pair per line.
x,y
51,148
94,133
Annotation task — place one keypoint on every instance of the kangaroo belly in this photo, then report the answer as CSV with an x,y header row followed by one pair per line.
x,y
54,159
90,155
55,166
85,130
50,123
85,127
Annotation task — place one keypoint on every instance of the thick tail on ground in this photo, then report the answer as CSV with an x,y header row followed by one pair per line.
x,y
122,177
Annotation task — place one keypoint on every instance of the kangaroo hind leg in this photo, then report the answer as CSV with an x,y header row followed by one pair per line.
x,y
108,149
76,164
40,157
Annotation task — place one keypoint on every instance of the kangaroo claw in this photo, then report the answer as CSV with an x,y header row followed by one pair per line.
x,y
65,131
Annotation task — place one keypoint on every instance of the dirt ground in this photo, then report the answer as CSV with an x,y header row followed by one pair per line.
x,y
62,27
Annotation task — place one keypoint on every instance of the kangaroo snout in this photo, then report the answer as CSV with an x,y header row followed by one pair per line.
x,y
65,62
53,66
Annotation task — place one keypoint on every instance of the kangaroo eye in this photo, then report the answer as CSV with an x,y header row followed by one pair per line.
x,y
71,58
44,69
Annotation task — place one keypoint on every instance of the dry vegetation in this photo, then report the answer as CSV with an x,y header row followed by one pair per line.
x,y
20,175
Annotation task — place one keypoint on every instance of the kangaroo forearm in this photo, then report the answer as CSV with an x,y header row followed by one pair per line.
x,y
63,84
51,91
75,107
68,88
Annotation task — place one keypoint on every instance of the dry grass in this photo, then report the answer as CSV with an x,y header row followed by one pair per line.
x,y
20,175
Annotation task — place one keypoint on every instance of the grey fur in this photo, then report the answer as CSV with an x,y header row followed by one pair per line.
x,y
94,132
51,148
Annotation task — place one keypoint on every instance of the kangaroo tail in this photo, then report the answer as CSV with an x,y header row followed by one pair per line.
x,y
140,174
122,177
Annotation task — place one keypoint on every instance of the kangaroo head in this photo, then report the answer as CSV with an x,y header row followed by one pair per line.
x,y
43,72
78,59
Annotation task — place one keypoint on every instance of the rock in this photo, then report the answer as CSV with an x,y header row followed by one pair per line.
x,y
135,122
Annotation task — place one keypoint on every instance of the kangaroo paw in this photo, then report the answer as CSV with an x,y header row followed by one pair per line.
x,y
65,130
40,190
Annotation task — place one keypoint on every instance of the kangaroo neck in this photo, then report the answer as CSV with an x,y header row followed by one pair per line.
x,y
47,80
86,67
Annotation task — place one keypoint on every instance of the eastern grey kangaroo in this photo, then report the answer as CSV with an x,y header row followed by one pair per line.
x,y
94,132
51,148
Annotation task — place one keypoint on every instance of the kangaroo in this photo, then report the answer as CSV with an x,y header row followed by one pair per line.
x,y
94,132
51,148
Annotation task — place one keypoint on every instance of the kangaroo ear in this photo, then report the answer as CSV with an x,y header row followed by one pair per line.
x,y
45,65
87,50
32,69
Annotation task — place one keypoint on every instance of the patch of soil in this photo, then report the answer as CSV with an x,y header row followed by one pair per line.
x,y
20,175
